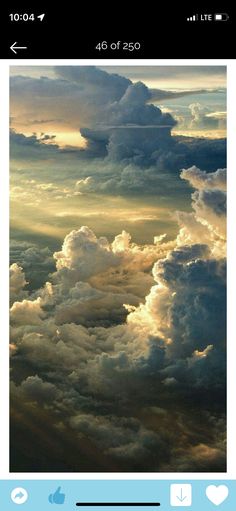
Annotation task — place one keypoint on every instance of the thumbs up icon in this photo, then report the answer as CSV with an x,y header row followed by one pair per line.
x,y
57,497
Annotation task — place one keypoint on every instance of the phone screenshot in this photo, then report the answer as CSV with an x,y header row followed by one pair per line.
x,y
118,354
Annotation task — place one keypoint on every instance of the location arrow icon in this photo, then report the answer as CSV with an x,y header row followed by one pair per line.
x,y
41,16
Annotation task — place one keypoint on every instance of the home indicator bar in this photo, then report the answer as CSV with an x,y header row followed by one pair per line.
x,y
117,504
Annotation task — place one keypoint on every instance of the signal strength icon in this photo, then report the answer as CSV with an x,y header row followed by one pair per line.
x,y
193,18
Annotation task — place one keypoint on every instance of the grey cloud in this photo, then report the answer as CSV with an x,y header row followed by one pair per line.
x,y
34,389
203,117
111,86
154,72
36,262
199,290
148,165
213,199
28,147
123,437
162,95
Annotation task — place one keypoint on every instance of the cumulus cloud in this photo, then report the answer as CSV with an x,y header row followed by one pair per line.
x,y
170,349
35,390
27,311
17,283
94,278
201,179
202,117
208,223
84,254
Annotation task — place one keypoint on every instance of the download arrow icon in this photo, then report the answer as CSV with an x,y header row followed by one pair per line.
x,y
13,47
181,495
181,498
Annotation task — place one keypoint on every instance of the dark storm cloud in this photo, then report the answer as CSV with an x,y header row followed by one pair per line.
x,y
149,164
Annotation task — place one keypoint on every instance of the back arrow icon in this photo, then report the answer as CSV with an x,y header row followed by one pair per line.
x,y
13,47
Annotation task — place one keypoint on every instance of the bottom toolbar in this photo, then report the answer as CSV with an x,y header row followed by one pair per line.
x,y
68,495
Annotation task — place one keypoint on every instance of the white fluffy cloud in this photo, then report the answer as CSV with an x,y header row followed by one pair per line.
x,y
208,222
17,283
27,312
201,179
85,254
94,278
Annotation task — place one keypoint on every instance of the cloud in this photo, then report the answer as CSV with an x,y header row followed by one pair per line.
x,y
128,136
151,172
203,117
30,146
121,331
36,262
170,349
162,95
76,96
118,132
89,306
201,179
35,390
94,82
209,204
95,278
213,74
27,311
122,437
191,284
17,283
84,255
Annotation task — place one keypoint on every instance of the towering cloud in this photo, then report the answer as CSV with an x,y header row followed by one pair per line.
x,y
117,119
17,283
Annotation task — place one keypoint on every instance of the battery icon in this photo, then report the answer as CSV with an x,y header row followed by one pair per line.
x,y
223,16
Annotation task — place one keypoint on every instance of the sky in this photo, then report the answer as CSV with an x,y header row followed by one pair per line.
x,y
118,190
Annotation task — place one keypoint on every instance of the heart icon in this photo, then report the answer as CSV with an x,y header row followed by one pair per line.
x,y
217,494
